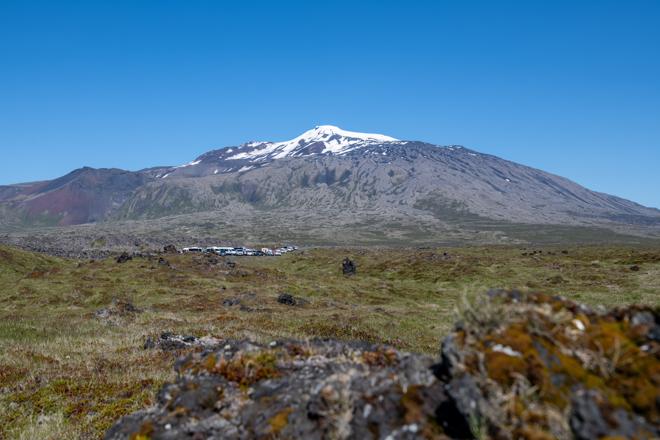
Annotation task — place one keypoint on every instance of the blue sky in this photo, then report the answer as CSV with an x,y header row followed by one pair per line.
x,y
571,87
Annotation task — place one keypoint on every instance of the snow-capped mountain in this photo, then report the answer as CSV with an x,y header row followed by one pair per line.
x,y
339,180
320,140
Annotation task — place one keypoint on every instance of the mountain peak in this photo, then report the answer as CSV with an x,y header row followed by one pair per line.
x,y
324,132
322,139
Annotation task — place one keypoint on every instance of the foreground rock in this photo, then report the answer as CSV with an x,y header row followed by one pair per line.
x,y
536,366
321,389
516,366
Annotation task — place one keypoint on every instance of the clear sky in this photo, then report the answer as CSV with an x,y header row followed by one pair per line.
x,y
571,87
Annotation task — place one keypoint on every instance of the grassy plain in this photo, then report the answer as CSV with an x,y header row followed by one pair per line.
x,y
65,373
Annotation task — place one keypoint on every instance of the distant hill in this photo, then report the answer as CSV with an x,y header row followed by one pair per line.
x,y
85,195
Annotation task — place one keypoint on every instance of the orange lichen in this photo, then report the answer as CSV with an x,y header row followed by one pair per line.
x,y
568,348
517,337
413,401
145,432
279,421
209,363
248,369
503,368
298,350
380,358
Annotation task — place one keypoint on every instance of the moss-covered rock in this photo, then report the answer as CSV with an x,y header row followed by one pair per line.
x,y
547,367
517,366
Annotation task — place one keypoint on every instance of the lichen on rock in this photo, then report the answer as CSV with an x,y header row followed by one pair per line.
x,y
528,366
547,362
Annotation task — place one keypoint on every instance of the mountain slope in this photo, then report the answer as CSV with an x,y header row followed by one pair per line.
x,y
85,195
335,178
386,177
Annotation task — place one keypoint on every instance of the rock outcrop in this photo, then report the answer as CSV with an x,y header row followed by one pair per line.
x,y
516,366
536,366
170,249
348,267
169,341
123,257
289,300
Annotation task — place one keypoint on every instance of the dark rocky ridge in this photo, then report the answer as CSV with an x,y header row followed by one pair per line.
x,y
85,195
516,366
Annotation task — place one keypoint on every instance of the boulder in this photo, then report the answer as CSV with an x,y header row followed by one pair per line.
x,y
593,417
170,249
517,365
290,300
348,267
286,299
124,257
230,302
315,390
168,341
515,345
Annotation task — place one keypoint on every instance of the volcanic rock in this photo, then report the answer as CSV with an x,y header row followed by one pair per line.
x,y
170,249
348,267
516,366
168,341
124,257
290,300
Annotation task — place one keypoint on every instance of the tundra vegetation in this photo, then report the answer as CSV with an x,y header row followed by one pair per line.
x,y
72,332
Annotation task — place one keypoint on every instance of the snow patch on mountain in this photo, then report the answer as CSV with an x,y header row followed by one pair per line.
x,y
189,164
322,139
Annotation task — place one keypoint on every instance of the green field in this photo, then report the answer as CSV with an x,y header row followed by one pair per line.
x,y
64,373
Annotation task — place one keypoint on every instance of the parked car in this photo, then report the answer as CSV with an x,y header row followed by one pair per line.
x,y
224,250
240,250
